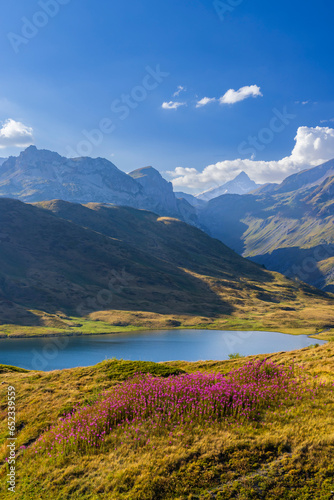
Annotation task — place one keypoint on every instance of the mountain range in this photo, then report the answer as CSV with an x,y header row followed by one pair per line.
x,y
287,227
39,175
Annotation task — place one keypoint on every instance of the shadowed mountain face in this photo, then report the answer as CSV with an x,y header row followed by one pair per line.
x,y
52,264
67,258
314,265
291,232
39,175
164,238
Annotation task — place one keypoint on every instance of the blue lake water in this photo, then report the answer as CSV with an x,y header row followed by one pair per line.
x,y
166,345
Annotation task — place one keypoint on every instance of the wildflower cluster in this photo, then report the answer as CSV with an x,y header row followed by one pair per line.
x,y
145,406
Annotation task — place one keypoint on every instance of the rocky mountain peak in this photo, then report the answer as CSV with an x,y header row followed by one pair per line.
x,y
41,175
32,155
241,184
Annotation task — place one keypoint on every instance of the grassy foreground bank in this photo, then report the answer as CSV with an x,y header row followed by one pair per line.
x,y
288,453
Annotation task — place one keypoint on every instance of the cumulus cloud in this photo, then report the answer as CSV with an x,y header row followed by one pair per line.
x,y
232,96
205,101
15,134
172,105
313,146
180,89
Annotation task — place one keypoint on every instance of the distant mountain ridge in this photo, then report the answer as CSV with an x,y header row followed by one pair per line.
x,y
39,175
193,200
307,178
241,184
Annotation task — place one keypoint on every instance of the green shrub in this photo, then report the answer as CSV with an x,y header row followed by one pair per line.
x,y
122,370
235,355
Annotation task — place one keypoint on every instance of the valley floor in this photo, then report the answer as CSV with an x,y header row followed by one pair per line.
x,y
315,318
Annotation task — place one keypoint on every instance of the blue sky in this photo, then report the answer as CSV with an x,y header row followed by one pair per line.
x,y
63,79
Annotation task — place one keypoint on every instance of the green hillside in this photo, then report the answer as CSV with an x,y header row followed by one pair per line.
x,y
64,264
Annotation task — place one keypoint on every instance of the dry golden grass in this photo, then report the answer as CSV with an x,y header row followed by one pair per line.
x,y
288,456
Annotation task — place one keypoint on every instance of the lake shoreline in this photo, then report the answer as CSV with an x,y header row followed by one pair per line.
x,y
191,345
142,329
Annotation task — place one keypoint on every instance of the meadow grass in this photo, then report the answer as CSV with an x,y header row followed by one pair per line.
x,y
146,406
286,452
75,326
108,322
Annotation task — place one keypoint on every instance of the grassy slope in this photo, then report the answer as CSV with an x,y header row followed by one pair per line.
x,y
149,265
283,232
289,457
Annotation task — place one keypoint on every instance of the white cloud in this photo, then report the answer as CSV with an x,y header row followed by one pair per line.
x,y
205,101
313,147
15,134
172,105
304,103
180,89
232,96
